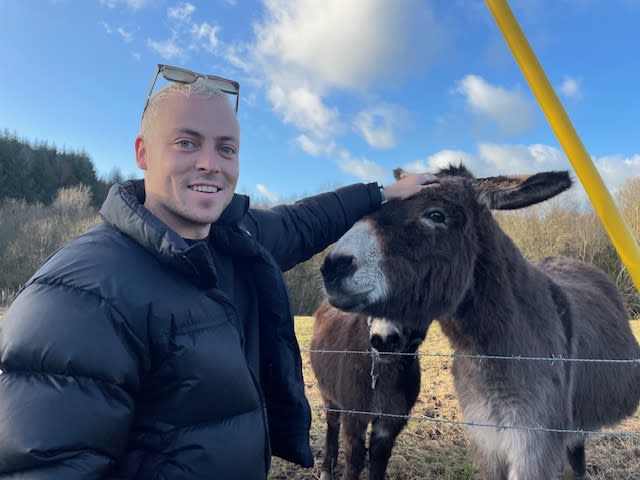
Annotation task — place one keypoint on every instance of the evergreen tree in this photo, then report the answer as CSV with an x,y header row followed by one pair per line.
x,y
36,171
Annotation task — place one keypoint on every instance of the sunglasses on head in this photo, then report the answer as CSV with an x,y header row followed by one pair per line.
x,y
182,75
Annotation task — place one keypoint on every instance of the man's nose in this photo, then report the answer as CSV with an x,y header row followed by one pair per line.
x,y
209,160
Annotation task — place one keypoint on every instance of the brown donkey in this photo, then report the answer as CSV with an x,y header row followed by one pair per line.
x,y
441,254
378,382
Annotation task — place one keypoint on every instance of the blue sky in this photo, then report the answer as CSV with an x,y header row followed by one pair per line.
x,y
332,91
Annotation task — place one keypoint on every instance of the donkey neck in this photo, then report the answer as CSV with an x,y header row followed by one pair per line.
x,y
505,289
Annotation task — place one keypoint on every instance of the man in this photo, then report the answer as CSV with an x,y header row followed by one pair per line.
x,y
160,343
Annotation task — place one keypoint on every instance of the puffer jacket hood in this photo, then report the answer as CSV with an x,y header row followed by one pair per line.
x,y
124,210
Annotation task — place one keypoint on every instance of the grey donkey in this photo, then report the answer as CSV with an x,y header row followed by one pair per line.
x,y
440,254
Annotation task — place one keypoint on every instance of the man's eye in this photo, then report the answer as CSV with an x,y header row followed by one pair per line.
x,y
185,143
227,150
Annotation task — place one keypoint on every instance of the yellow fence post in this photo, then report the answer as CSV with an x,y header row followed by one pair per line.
x,y
586,171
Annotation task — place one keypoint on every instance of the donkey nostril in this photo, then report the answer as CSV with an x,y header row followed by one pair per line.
x,y
393,340
336,266
376,342
387,343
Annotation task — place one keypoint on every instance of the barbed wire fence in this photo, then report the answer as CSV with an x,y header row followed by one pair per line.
x,y
633,362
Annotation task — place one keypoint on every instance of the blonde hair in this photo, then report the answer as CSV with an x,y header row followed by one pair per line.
x,y
187,89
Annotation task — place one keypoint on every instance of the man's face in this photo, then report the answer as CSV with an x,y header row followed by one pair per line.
x,y
190,162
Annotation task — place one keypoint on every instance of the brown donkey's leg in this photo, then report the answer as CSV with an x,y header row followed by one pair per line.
x,y
354,429
381,442
331,445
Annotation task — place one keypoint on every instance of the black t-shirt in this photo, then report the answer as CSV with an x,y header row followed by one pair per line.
x,y
233,278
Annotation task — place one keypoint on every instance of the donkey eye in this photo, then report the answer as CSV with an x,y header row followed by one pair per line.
x,y
436,217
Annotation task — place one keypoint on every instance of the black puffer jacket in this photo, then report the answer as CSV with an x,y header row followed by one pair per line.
x,y
123,360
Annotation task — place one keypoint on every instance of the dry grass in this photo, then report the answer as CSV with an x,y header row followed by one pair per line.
x,y
429,450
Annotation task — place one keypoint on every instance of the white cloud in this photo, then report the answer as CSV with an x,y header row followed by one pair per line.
x,y
493,159
309,145
182,13
319,47
570,87
441,159
133,4
348,44
106,26
127,36
206,32
236,55
417,166
445,158
376,125
193,35
304,109
268,194
515,159
361,168
168,49
510,110
616,169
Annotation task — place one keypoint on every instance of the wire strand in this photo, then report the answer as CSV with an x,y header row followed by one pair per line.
x,y
481,425
630,361
559,359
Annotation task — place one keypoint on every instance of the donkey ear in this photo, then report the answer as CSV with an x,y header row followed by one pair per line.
x,y
399,173
511,192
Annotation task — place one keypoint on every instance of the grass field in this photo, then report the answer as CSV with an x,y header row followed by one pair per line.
x,y
429,450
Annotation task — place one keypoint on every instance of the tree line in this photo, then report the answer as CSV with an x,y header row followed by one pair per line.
x,y
36,171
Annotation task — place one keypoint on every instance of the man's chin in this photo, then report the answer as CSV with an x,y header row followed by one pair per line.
x,y
208,219
207,213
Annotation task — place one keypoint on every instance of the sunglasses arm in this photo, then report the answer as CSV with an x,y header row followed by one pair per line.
x,y
153,84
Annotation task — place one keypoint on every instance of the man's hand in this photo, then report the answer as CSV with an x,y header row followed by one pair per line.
x,y
410,184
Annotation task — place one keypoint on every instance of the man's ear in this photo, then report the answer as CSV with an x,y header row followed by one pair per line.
x,y
141,152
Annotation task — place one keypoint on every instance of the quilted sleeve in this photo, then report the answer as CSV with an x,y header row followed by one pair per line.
x,y
69,363
294,233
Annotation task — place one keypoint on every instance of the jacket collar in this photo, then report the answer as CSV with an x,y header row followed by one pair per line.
x,y
124,210
232,214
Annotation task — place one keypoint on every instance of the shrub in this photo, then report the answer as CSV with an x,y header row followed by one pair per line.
x,y
30,233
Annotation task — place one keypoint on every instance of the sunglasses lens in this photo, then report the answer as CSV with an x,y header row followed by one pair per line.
x,y
226,87
175,75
